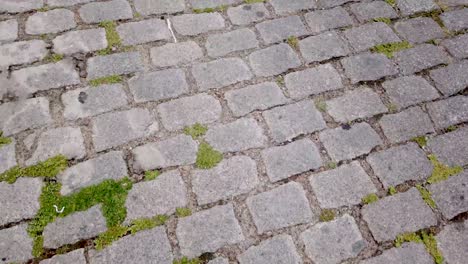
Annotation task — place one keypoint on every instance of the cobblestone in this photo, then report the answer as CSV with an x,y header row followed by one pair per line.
x,y
368,67
282,28
15,244
457,46
369,35
409,90
22,52
451,148
323,47
150,7
455,20
452,242
7,156
13,199
220,73
104,11
13,6
175,53
81,41
451,79
409,7
202,4
8,30
321,20
406,125
286,6
408,253
115,64
59,3
279,249
74,257
52,21
448,112
225,43
141,32
419,30
419,58
273,60
247,14
449,195
369,11
159,85
194,24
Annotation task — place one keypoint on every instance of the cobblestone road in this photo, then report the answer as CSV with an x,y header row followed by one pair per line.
x,y
231,131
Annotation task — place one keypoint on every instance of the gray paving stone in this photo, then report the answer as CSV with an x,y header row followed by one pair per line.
x,y
194,24
7,156
56,3
321,20
22,52
290,121
369,35
150,7
115,64
283,206
74,257
109,166
220,73
8,30
231,177
225,43
457,46
20,200
278,249
449,195
451,148
24,114
187,111
397,214
80,41
452,242
15,244
92,101
75,227
313,81
408,253
419,30
409,90
406,125
273,60
104,11
452,3
158,85
137,248
219,260
173,54
279,29
44,77
451,79
368,67
449,112
284,161
156,197
332,3
455,20
360,103
409,7
15,6
348,143
333,242
399,164
247,14
67,141
239,135
323,47
53,21
419,58
254,97
208,231
287,6
343,186
202,4
117,128
179,150
368,11
144,31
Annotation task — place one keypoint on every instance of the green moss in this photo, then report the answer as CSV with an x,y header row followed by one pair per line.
x,y
392,108
407,237
147,223
441,171
293,42
183,212
54,58
386,20
106,80
370,198
253,1
327,215
280,80
422,141
451,128
389,48
426,195
331,165
43,9
4,140
137,15
432,41
111,235
186,260
391,2
392,190
196,131
211,9
113,38
321,105
48,169
431,247
151,175
207,157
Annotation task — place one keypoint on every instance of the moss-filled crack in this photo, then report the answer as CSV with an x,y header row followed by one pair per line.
x,y
426,195
327,215
207,156
421,140
151,175
221,8
422,237
4,140
441,171
185,260
113,38
389,48
47,169
370,198
106,80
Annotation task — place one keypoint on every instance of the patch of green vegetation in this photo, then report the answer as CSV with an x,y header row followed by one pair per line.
x,y
43,9
186,260
113,38
196,131
391,2
253,1
431,247
112,234
280,80
432,41
147,223
106,80
421,140
370,198
435,15
183,212
293,42
389,48
392,190
407,237
392,108
207,156
331,165
426,195
151,175
210,9
448,129
386,20
48,169
327,215
54,58
441,171
137,15
321,105
4,140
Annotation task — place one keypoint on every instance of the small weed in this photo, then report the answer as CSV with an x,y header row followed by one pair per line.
x,y
151,175
207,157
196,131
147,223
389,48
54,58
391,2
183,212
186,260
48,169
113,38
392,190
441,171
293,42
280,80
386,20
426,195
321,105
421,140
370,198
4,141
407,237
327,215
331,165
106,80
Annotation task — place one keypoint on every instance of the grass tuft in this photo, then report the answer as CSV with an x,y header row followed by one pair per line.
x,y
370,198
183,212
196,131
4,140
48,169
426,195
389,48
207,156
327,215
151,175
441,171
421,140
106,80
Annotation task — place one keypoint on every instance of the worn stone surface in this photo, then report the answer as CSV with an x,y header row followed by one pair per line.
x,y
279,249
334,241
173,54
239,135
343,186
149,7
15,6
117,128
115,64
109,166
451,79
450,195
419,30
369,35
15,244
56,3
397,214
449,112
286,6
322,47
408,253
368,11
201,4
219,260
409,7
452,242
20,200
457,46
194,24
290,121
231,177
7,156
156,197
208,230
419,58
451,148
53,21
281,207
22,52
349,142
455,20
104,11
276,30
73,257
408,124
284,161
220,73
368,67
321,20
183,112
144,31
247,14
409,90
74,227
80,41
225,43
8,30
273,60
